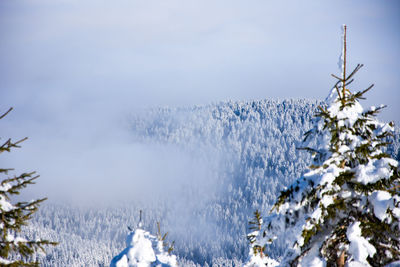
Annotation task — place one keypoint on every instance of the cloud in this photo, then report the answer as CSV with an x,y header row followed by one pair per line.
x,y
98,162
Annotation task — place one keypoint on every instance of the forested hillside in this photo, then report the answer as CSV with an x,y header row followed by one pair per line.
x,y
247,154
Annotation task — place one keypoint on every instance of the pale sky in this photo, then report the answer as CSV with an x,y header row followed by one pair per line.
x,y
72,69
67,53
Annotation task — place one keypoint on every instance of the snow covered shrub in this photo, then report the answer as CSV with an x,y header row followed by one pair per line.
x,y
346,209
145,250
258,257
14,249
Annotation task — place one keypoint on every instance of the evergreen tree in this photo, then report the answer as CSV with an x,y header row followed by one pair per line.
x,y
258,257
145,250
14,249
255,226
346,209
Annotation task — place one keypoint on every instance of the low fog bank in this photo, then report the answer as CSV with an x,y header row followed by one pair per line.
x,y
91,158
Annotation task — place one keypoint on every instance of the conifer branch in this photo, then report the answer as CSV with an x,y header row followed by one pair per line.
x,y
5,145
349,82
356,69
337,90
359,95
8,145
394,189
5,114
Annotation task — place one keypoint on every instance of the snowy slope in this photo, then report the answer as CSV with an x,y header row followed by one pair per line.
x,y
255,143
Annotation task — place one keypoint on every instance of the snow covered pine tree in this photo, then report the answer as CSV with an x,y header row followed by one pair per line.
x,y
257,249
145,250
346,209
16,250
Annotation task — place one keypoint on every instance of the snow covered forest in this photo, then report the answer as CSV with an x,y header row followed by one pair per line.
x,y
239,156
